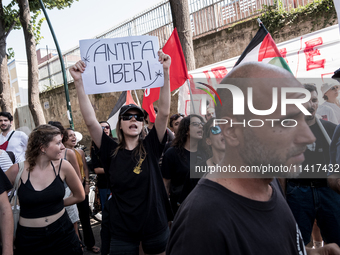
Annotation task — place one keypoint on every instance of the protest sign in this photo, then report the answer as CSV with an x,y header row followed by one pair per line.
x,y
120,64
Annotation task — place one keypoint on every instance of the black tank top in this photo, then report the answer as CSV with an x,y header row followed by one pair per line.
x,y
37,204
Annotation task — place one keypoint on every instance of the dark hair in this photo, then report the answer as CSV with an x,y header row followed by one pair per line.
x,y
206,128
183,129
310,87
7,115
146,114
175,117
40,136
103,121
206,134
61,128
92,142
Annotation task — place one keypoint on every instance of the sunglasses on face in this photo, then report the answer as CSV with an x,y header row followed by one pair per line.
x,y
196,124
215,130
105,127
334,88
130,116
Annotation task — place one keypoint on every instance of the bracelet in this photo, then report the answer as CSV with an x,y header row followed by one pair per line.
x,y
87,180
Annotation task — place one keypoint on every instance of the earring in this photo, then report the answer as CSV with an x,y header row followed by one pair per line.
x,y
43,152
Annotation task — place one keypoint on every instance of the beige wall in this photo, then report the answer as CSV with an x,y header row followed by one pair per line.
x,y
231,42
13,73
16,86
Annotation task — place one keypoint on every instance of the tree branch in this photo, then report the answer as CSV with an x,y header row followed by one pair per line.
x,y
10,29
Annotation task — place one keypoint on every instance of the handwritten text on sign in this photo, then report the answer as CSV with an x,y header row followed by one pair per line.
x,y
121,64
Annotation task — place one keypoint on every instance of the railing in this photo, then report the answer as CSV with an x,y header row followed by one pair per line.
x,y
206,16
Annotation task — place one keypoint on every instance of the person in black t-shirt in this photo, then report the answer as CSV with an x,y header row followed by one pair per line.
x,y
138,207
320,203
245,212
215,147
6,216
102,181
177,159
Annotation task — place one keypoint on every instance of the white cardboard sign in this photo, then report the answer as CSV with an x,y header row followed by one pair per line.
x,y
120,64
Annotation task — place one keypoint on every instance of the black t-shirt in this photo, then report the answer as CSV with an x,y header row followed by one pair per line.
x,y
139,203
213,220
317,153
5,184
102,181
176,167
190,182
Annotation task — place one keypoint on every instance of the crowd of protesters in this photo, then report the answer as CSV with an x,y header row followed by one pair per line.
x,y
150,201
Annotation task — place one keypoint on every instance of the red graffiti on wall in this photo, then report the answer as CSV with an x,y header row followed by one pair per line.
x,y
283,52
219,72
310,53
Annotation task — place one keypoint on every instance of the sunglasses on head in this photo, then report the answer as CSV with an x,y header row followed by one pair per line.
x,y
127,117
106,127
215,130
176,116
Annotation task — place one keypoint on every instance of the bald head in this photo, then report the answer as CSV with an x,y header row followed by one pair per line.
x,y
262,78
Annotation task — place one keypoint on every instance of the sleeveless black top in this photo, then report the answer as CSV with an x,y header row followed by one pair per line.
x,y
37,204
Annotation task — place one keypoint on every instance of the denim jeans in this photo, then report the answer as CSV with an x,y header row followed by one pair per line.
x,y
310,203
57,238
103,195
154,245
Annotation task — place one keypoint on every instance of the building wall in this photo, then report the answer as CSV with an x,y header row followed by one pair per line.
x,y
232,41
19,80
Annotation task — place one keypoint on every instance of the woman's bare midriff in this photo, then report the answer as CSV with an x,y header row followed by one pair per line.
x,y
40,222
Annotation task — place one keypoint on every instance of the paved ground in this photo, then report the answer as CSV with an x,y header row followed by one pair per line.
x,y
96,232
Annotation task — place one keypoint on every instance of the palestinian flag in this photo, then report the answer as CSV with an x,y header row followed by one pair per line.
x,y
124,99
263,49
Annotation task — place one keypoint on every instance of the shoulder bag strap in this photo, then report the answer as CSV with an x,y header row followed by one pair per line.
x,y
17,178
10,136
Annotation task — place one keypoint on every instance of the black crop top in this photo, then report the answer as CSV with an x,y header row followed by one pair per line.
x,y
37,204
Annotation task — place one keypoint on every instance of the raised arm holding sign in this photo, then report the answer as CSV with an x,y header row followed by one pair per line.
x,y
119,64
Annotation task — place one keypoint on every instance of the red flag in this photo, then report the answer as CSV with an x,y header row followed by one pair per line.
x,y
129,99
178,73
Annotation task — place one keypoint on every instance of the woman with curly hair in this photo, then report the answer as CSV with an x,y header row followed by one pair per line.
x,y
44,226
177,159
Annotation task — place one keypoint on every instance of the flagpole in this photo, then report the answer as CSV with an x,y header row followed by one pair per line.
x,y
261,24
323,130
137,98
192,99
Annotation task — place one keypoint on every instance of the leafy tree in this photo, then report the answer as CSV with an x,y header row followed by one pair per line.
x,y
8,21
13,16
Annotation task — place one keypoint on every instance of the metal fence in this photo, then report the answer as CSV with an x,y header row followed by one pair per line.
x,y
205,15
